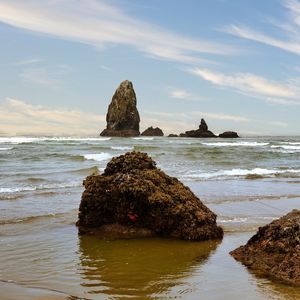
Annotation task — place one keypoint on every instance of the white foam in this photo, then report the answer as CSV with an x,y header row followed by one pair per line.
x,y
144,138
4,149
23,140
235,144
234,220
41,187
238,172
18,140
17,189
291,143
63,139
98,156
121,148
286,147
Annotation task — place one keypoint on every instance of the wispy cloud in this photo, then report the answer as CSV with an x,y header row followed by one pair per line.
x,y
290,29
51,77
19,117
102,24
30,61
182,94
254,86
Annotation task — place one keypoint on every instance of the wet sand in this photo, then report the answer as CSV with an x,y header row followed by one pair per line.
x,y
65,266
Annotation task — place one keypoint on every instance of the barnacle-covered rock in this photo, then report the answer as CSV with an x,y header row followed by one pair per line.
x,y
134,194
275,249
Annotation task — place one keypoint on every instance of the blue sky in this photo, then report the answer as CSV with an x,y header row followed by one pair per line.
x,y
235,63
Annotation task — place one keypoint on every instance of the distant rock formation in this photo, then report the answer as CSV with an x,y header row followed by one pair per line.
x,y
229,134
275,249
173,135
201,132
152,132
122,117
132,198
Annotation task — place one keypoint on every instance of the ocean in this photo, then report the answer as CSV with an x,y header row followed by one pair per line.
x,y
247,182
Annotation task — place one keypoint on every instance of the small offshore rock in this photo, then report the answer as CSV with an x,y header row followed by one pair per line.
x,y
135,198
229,134
275,249
202,132
173,135
152,132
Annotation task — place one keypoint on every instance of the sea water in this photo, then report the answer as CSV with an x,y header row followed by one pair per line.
x,y
247,182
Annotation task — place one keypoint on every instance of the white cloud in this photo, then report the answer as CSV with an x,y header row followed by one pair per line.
x,y
182,94
254,86
19,117
290,29
99,24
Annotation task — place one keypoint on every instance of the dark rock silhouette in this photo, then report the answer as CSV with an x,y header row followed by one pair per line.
x,y
152,132
173,135
122,117
229,134
203,126
137,199
201,132
275,249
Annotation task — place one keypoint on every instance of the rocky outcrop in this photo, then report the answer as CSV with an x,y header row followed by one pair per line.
x,y
229,134
152,132
172,135
275,249
122,117
134,195
202,132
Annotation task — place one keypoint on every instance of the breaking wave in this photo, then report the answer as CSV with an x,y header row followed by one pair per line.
x,y
24,140
259,172
122,148
40,187
98,156
144,138
236,144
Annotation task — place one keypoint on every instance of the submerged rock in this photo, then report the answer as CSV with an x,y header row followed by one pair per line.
x,y
134,194
275,249
229,134
152,132
122,117
201,132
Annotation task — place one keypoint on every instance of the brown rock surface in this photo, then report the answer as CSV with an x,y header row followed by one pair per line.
x,y
152,132
122,117
134,194
275,249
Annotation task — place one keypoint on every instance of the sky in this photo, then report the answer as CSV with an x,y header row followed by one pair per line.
x,y
234,63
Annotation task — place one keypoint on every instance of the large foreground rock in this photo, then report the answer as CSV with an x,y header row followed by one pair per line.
x,y
202,132
275,249
134,198
152,132
122,117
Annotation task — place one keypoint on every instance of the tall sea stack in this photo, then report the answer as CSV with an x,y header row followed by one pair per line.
x,y
122,117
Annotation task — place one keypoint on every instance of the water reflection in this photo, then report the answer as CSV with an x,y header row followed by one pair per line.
x,y
139,268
